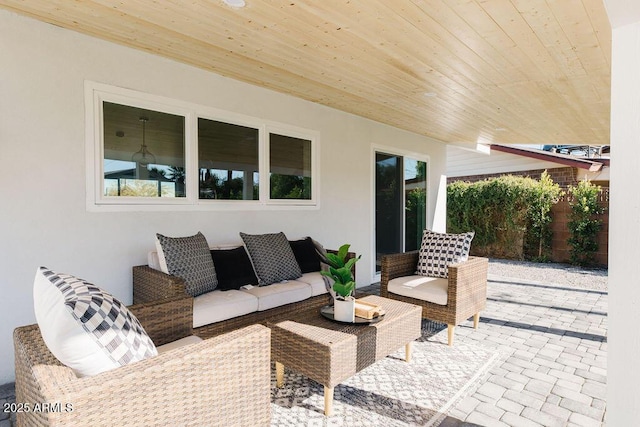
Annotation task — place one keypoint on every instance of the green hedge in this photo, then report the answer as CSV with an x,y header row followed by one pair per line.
x,y
584,222
510,214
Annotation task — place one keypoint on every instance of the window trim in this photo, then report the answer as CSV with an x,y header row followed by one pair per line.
x,y
97,93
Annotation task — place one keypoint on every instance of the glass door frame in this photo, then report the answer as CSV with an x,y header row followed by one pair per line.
x,y
428,214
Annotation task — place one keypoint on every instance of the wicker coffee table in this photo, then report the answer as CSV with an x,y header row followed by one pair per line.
x,y
330,352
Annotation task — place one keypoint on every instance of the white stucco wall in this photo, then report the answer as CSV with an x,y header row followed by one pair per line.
x,y
44,221
623,375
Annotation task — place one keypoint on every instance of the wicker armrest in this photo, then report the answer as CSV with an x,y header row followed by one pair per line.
x,y
468,278
152,285
396,265
199,384
166,320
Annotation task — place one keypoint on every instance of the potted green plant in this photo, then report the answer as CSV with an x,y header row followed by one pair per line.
x,y
343,283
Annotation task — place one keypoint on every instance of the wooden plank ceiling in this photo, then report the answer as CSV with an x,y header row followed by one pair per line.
x,y
460,71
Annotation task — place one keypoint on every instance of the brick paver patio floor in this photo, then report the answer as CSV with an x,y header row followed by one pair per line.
x,y
552,371
553,342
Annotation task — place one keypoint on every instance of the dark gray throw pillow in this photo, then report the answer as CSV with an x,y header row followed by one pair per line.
x,y
233,268
272,257
188,258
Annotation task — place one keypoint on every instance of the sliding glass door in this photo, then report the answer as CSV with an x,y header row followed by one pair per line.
x,y
400,204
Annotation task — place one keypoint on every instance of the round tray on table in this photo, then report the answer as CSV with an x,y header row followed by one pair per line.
x,y
327,311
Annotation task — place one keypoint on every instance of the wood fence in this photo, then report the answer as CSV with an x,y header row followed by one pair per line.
x,y
560,248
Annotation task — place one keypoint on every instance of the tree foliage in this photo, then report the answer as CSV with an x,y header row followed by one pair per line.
x,y
539,234
584,222
213,186
415,215
504,212
290,187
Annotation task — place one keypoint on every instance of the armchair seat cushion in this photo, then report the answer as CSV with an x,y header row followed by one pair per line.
x,y
432,289
222,305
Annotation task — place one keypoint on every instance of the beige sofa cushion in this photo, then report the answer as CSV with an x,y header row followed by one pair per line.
x,y
278,294
432,289
316,282
222,305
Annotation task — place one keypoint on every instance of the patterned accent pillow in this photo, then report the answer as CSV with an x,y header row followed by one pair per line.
x,y
272,257
86,328
190,259
438,250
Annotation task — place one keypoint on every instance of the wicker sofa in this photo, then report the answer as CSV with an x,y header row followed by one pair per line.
x,y
452,300
193,385
309,291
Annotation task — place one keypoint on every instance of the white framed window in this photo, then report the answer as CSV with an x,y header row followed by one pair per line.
x,y
146,152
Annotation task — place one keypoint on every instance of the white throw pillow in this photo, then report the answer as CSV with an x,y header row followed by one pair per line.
x,y
86,328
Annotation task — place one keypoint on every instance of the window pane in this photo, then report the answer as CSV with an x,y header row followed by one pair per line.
x,y
290,167
143,152
415,190
227,161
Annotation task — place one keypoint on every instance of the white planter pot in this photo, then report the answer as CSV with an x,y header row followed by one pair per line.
x,y
344,310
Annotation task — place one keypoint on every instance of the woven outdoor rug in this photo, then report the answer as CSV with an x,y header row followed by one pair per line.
x,y
389,392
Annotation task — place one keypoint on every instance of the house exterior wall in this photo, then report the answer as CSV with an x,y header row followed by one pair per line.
x,y
44,219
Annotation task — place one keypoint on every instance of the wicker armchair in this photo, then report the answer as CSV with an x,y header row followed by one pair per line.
x,y
194,385
466,290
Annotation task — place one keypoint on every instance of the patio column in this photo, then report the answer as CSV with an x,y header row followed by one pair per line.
x,y
623,376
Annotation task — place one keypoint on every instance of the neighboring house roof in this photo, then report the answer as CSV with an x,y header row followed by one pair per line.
x,y
591,165
503,159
